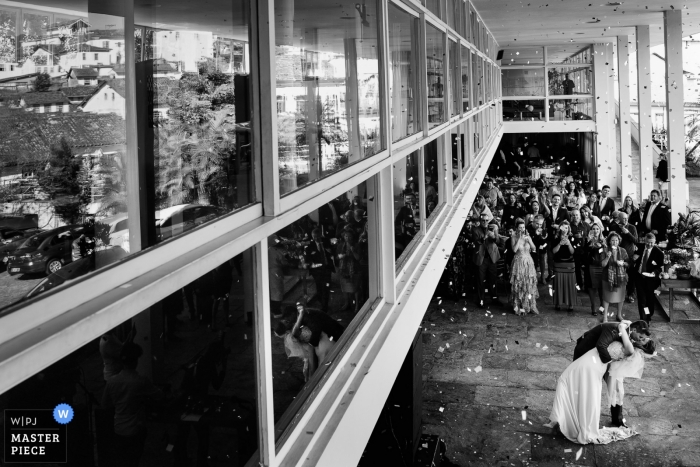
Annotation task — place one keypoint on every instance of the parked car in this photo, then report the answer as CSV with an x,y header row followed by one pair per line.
x,y
13,240
19,222
175,220
44,252
76,269
118,230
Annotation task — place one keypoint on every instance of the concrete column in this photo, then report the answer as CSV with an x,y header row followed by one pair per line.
x,y
646,161
673,40
605,153
623,79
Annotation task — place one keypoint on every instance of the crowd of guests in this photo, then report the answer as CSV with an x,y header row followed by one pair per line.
x,y
575,240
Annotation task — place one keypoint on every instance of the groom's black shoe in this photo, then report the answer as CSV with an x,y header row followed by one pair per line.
x,y
616,415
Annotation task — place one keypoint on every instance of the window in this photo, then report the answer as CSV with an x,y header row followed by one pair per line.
x,y
280,104
105,95
455,79
105,44
466,53
84,56
97,56
523,82
321,139
403,77
435,51
113,96
407,217
431,170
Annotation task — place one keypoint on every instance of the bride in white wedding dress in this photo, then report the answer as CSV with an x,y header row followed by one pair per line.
x,y
577,401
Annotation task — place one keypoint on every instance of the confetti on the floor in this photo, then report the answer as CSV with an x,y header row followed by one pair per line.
x,y
524,414
578,453
567,450
442,409
537,345
478,370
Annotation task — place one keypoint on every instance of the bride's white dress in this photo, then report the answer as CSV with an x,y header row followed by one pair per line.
x,y
578,398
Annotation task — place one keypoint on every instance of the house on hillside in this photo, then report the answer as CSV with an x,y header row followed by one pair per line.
x,y
45,102
78,94
113,43
83,76
108,98
84,55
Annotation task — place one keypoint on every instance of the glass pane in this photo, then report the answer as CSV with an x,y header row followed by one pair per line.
x,y
480,84
430,166
571,109
529,110
457,155
318,264
8,41
452,13
403,78
476,131
521,82
465,78
456,79
196,119
327,88
465,149
567,81
473,27
406,205
464,17
523,56
187,364
64,168
434,7
435,50
569,54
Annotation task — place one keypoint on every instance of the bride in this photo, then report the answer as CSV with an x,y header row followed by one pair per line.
x,y
578,398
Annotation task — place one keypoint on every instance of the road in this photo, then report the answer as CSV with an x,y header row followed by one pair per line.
x,y
13,288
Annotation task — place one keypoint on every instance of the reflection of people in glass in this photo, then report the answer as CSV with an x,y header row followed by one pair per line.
x,y
129,393
84,245
276,264
319,261
568,85
348,256
405,223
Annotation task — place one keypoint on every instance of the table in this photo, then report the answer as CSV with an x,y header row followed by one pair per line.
x,y
536,172
672,284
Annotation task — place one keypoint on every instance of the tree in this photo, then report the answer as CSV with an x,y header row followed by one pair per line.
x,y
63,180
42,82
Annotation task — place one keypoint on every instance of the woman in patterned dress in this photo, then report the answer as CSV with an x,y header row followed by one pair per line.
x,y
523,275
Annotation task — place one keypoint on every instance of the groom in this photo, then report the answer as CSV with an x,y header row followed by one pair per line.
x,y
600,337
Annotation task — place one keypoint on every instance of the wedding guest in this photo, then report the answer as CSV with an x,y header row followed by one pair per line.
x,y
579,231
523,276
319,260
614,276
595,252
535,210
277,264
633,214
512,211
564,269
588,217
486,256
628,234
646,270
581,197
607,205
593,204
538,233
657,216
492,195
479,207
558,215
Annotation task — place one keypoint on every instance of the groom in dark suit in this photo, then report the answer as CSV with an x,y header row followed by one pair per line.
x,y
600,337
647,264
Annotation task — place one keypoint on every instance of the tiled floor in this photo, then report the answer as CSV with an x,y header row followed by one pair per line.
x,y
490,376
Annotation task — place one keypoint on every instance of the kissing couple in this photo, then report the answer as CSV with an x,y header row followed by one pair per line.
x,y
609,350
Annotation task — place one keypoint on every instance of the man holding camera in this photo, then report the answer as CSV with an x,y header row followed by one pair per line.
x,y
486,255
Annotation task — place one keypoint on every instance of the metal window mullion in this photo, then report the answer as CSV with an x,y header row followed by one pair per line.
x,y
268,106
263,357
423,74
421,191
257,102
385,232
384,62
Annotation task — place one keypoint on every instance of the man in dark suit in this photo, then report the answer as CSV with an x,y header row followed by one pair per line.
x,y
558,214
486,255
607,205
318,255
629,243
600,337
657,216
646,268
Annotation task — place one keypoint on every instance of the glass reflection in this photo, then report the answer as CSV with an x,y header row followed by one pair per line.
x,y
407,218
569,54
567,81
63,148
523,56
435,50
430,166
175,385
328,113
318,269
403,78
466,53
523,82
455,78
457,156
570,109
523,110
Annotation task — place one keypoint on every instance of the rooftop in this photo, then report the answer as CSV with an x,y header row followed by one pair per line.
x,y
49,97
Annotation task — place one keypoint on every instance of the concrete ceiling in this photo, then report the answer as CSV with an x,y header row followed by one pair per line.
x,y
517,23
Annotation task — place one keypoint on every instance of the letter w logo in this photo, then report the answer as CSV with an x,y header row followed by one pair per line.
x,y
63,414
